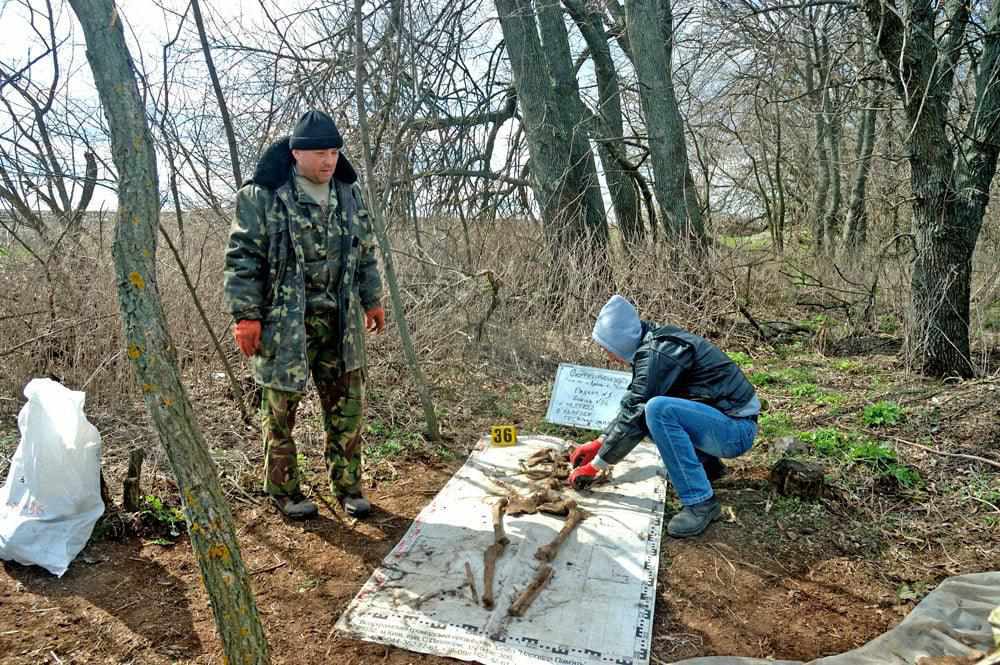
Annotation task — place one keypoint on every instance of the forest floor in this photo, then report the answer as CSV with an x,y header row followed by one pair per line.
x,y
778,577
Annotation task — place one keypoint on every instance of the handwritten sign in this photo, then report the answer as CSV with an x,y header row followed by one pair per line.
x,y
586,397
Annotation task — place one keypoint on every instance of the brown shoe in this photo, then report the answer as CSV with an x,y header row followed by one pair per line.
x,y
295,506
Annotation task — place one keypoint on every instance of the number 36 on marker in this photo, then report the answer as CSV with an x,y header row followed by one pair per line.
x,y
503,435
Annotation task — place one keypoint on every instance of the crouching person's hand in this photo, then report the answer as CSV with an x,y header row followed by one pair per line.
x,y
583,477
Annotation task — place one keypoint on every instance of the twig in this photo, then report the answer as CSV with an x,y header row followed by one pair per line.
x,y
520,606
472,582
268,569
22,314
749,317
54,332
984,501
234,385
104,363
974,458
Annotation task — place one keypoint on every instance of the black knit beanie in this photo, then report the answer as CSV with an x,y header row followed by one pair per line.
x,y
315,130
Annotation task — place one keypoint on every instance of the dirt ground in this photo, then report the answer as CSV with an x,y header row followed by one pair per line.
x,y
776,577
130,602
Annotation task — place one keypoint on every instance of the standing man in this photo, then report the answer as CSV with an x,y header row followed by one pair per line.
x,y
687,395
302,283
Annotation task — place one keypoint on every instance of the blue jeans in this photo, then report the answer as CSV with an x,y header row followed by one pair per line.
x,y
680,428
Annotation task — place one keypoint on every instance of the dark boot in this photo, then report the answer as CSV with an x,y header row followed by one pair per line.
x,y
295,506
356,505
692,520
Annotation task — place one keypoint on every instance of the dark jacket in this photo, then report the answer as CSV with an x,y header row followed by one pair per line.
x,y
675,363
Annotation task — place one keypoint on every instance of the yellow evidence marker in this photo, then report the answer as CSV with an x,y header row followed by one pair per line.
x,y
503,435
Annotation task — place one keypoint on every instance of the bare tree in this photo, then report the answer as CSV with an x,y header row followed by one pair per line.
x,y
562,168
623,177
650,36
210,523
924,45
43,183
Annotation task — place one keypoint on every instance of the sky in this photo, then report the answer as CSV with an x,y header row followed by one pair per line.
x,y
149,25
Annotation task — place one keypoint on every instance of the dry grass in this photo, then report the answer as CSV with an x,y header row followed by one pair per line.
x,y
499,310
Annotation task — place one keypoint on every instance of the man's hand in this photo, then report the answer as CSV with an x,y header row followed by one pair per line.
x,y
375,319
585,453
583,477
247,334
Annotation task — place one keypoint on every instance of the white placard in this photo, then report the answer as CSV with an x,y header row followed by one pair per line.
x,y
586,397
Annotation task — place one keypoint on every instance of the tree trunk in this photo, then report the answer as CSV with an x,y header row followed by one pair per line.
x,y
210,523
220,98
821,195
619,173
831,216
942,272
573,114
779,177
650,33
856,226
950,181
561,162
818,92
941,282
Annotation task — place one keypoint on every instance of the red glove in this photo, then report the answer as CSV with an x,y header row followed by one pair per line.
x,y
247,334
375,319
582,477
585,453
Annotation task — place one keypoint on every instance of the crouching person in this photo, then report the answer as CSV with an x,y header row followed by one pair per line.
x,y
687,395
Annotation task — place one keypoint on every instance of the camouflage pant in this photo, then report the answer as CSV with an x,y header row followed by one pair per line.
x,y
342,397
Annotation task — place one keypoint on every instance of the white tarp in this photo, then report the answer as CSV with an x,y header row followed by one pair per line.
x,y
419,600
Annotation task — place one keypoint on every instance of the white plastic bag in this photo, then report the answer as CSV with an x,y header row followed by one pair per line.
x,y
52,497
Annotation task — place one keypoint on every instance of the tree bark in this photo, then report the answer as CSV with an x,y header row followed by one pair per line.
x,y
856,225
559,152
210,523
609,133
650,33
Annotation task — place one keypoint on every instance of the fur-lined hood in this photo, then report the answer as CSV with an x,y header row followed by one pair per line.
x,y
275,167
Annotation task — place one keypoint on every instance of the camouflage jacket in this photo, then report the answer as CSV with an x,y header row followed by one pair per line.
x,y
265,268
